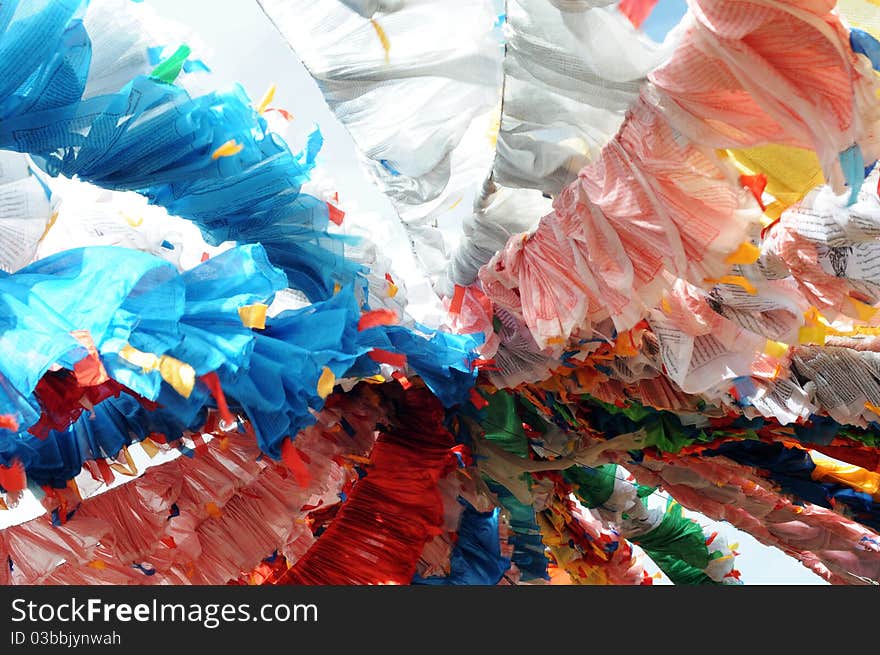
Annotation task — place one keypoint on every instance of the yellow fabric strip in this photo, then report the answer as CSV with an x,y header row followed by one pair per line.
x,y
747,253
180,375
150,447
776,349
228,149
791,172
129,467
326,382
253,316
812,334
864,311
268,97
855,477
383,39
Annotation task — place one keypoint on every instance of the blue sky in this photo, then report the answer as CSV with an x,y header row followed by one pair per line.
x,y
665,16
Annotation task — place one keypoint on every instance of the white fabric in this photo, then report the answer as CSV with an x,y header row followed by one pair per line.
x,y
569,77
121,33
89,216
500,213
119,46
25,211
421,114
425,115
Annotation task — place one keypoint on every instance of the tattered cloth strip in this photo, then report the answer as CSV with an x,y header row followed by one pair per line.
x,y
832,546
586,549
476,542
658,198
183,341
25,211
679,541
392,512
849,490
678,545
444,57
210,158
203,519
523,93
723,370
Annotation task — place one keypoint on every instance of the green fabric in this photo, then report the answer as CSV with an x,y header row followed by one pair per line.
x,y
504,426
643,492
168,70
565,413
665,432
868,438
592,486
528,546
635,411
522,517
530,416
680,572
677,536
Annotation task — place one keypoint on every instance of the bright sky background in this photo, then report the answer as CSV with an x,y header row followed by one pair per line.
x,y
239,44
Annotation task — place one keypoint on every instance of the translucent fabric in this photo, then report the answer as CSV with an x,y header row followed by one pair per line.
x,y
833,547
154,137
205,519
444,57
408,460
562,94
571,72
659,199
25,211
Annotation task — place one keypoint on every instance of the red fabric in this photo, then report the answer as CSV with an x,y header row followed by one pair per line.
x,y
89,371
199,442
268,569
63,398
100,471
756,184
336,214
477,399
457,299
293,459
13,478
376,318
637,10
213,383
385,357
256,508
394,511
321,517
284,113
402,379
